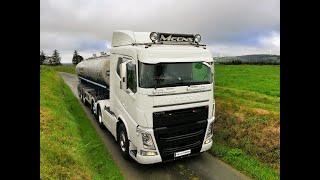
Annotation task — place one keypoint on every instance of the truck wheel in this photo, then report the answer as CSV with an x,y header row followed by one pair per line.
x,y
80,95
101,125
91,107
83,99
123,141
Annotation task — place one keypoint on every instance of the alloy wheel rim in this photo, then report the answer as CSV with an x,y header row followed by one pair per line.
x,y
122,142
100,118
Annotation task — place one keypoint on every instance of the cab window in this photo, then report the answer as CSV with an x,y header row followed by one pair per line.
x,y
131,77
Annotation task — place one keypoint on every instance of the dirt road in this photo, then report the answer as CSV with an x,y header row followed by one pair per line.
x,y
204,166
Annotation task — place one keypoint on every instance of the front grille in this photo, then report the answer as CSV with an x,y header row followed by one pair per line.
x,y
180,130
181,116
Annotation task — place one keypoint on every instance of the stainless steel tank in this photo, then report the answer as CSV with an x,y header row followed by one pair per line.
x,y
95,69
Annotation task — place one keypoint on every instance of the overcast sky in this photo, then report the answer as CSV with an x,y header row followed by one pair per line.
x,y
228,27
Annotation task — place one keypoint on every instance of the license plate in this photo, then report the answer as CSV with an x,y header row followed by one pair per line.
x,y
182,153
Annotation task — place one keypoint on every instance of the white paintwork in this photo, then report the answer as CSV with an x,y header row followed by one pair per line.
x,y
124,37
135,109
174,53
181,98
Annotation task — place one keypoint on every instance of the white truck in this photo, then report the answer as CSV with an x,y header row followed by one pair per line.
x,y
154,93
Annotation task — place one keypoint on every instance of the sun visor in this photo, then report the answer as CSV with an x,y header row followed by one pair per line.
x,y
174,54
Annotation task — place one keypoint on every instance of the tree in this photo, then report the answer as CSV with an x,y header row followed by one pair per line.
x,y
56,58
76,58
80,58
42,57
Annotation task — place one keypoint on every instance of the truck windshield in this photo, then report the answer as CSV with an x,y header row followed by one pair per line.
x,y
173,74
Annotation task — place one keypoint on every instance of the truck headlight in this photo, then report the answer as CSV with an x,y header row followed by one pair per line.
x,y
147,141
148,153
210,131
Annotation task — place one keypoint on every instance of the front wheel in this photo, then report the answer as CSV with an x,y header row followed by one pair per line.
x,y
101,125
123,141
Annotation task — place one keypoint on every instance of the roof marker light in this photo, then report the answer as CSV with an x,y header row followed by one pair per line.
x,y
154,36
197,38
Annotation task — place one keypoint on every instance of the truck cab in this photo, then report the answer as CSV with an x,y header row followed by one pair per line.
x,y
161,105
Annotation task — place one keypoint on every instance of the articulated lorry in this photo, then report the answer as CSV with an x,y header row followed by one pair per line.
x,y
154,93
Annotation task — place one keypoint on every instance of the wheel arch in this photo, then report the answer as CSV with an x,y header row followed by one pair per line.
x,y
120,121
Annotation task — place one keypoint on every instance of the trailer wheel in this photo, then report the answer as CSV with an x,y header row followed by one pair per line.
x,y
82,98
91,107
123,141
101,125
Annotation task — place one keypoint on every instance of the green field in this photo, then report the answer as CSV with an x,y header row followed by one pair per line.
x,y
69,146
247,128
263,79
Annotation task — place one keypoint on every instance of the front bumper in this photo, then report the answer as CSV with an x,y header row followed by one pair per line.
x,y
157,158
148,159
206,147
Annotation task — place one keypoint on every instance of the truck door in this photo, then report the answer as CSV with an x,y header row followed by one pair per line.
x,y
130,88
121,84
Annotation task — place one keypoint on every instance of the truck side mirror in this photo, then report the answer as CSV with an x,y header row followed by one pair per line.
x,y
123,73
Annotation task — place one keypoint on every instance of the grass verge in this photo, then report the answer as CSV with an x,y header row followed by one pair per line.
x,y
68,68
69,145
243,162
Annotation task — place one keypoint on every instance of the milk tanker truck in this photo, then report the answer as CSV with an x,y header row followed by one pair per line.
x,y
154,93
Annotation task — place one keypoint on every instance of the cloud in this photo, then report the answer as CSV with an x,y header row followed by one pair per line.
x,y
271,41
88,25
269,44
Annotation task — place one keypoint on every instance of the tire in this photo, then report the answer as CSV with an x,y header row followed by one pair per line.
x,y
81,97
123,141
99,118
91,108
84,100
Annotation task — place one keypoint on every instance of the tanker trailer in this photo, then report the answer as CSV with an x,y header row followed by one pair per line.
x,y
94,78
95,69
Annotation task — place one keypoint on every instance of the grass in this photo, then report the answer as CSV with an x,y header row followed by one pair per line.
x,y
247,127
239,159
68,68
264,79
69,146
